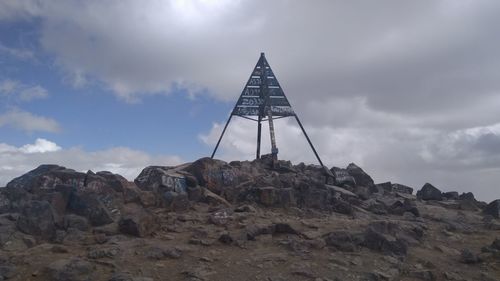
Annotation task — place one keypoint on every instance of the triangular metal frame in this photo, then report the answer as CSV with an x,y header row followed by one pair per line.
x,y
263,97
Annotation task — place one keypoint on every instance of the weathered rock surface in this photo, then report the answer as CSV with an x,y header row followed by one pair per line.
x,y
493,209
243,220
401,188
429,192
137,221
73,269
361,178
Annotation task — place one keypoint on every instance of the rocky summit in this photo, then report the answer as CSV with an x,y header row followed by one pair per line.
x,y
212,220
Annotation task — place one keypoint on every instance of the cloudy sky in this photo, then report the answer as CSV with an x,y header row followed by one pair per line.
x,y
408,90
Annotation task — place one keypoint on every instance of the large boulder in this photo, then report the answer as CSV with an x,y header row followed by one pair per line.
x,y
216,175
429,192
359,175
5,205
47,177
175,201
401,188
277,197
451,195
385,187
467,196
384,243
315,198
493,209
161,179
407,205
137,221
95,183
342,177
76,222
37,218
89,205
97,196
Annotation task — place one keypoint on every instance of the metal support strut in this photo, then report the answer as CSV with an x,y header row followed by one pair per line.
x,y
221,135
309,141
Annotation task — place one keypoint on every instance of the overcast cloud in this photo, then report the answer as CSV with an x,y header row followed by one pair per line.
x,y
410,90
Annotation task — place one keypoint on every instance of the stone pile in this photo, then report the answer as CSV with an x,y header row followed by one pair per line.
x,y
51,200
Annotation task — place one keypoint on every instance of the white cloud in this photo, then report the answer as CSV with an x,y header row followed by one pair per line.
x,y
15,161
8,86
31,93
21,54
40,146
462,160
19,91
28,122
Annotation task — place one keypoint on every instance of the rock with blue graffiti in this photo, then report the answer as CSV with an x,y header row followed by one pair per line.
x,y
161,179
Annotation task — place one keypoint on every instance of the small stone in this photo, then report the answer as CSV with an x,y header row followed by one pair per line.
x,y
59,249
225,238
73,269
220,218
466,256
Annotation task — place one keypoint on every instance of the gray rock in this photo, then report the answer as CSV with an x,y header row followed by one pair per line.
x,y
158,253
422,275
46,177
7,271
429,192
401,188
176,201
5,205
466,256
115,181
399,208
385,187
343,241
123,276
375,207
468,196
245,209
226,238
220,218
384,243
342,207
73,269
451,195
37,218
137,221
161,179
493,209
99,252
342,177
361,178
277,197
195,193
90,205
213,174
496,244
74,221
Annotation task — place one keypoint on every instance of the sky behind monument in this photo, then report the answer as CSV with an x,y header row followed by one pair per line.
x,y
408,90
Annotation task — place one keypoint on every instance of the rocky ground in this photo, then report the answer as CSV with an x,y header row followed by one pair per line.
x,y
211,220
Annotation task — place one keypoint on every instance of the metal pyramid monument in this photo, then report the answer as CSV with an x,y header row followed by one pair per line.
x,y
262,98
263,93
